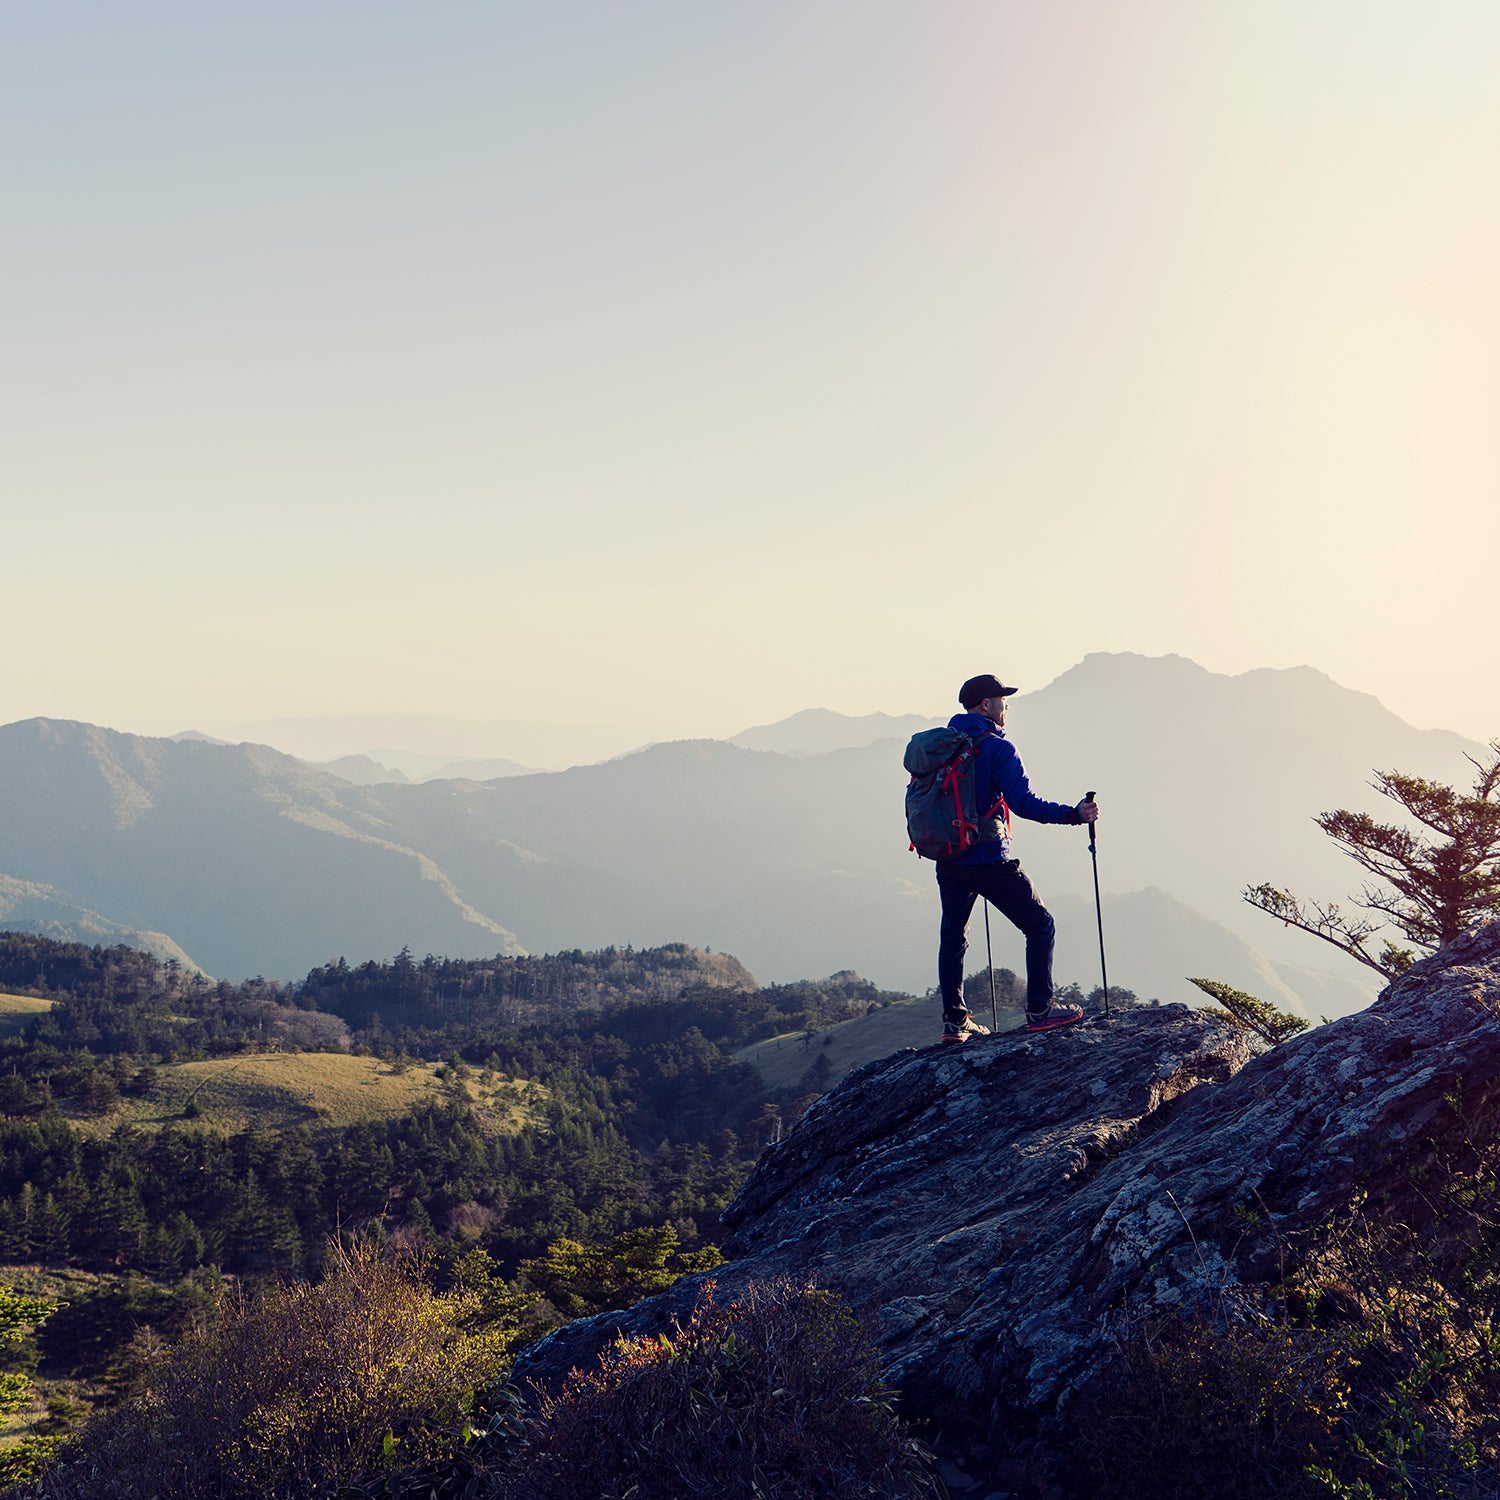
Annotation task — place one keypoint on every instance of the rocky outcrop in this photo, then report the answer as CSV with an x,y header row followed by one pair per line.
x,y
993,1208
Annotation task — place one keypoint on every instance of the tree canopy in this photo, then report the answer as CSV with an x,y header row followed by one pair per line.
x,y
1435,877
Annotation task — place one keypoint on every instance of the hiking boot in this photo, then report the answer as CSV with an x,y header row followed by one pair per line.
x,y
1053,1017
962,1031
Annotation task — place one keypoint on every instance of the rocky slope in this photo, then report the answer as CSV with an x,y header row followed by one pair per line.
x,y
994,1209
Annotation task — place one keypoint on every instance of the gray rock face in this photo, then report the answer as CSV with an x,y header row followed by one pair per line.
x,y
992,1208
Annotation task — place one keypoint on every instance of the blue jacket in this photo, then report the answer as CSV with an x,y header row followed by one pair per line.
x,y
999,773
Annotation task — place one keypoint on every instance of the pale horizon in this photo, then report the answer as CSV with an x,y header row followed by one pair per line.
x,y
407,735
676,370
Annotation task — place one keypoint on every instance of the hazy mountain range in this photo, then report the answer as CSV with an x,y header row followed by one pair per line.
x,y
793,860
393,765
470,752
28,907
420,745
815,731
401,766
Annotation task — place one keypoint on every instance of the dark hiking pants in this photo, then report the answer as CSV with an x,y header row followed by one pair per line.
x,y
1009,890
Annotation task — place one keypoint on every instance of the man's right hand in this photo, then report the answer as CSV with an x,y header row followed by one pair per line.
x,y
1087,810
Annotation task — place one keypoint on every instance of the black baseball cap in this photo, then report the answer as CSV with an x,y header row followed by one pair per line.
x,y
986,685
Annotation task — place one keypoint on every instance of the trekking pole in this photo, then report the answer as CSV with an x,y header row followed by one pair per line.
x,y
989,955
1098,909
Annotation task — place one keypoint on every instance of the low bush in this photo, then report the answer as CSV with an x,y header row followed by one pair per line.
x,y
299,1391
1376,1375
774,1396
1205,1409
1259,1018
19,1315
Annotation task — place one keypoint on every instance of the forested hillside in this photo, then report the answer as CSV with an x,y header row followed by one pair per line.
x,y
567,1099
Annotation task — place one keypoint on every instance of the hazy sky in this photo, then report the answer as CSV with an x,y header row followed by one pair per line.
x,y
684,365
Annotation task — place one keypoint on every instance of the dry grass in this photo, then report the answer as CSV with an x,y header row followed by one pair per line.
x,y
323,1090
18,1011
29,1005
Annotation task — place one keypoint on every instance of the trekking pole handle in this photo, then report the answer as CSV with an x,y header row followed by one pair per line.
x,y
1089,797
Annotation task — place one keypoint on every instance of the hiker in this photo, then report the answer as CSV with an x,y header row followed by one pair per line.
x,y
987,869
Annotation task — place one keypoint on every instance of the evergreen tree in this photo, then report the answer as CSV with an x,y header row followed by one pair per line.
x,y
18,1316
1258,1017
582,1279
1433,885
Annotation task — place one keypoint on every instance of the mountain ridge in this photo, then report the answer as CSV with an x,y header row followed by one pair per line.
x,y
255,861
164,823
43,911
815,731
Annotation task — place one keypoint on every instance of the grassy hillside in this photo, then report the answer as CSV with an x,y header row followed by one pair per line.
x,y
16,1011
782,1061
276,1091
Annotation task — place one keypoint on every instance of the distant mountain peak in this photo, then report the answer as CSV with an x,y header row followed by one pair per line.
x,y
816,731
359,770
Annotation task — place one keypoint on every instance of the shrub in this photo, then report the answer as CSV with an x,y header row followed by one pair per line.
x,y
775,1396
582,1279
18,1316
1258,1017
1377,1378
300,1390
1204,1409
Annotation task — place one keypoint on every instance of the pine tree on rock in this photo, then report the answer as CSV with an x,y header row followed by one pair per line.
x,y
1434,885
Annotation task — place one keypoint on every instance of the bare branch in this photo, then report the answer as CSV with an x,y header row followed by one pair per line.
x,y
1326,922
1489,775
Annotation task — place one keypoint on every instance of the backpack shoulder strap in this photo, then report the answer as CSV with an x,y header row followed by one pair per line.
x,y
1002,807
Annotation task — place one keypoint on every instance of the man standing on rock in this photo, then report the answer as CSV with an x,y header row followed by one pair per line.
x,y
987,870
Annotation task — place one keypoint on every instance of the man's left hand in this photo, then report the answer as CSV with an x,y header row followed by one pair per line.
x,y
1087,810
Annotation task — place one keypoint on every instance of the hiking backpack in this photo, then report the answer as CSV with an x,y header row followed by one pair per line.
x,y
942,808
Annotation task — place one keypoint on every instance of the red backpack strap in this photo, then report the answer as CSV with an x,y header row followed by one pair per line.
x,y
1002,806
952,774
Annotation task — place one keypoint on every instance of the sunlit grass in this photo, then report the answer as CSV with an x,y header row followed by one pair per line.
x,y
18,1011
322,1090
24,1005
